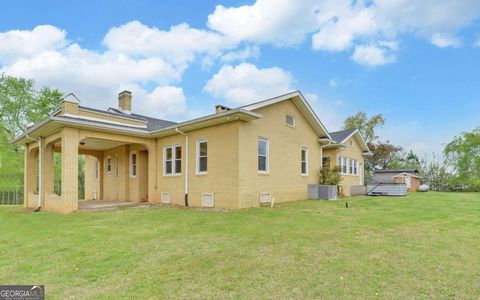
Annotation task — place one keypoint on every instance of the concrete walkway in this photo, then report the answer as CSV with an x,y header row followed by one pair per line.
x,y
105,205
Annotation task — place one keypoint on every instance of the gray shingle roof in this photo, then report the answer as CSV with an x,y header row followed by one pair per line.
x,y
339,136
152,123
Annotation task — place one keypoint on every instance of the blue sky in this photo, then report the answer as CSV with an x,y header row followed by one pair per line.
x,y
416,62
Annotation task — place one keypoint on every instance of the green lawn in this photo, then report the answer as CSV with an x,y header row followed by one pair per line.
x,y
422,246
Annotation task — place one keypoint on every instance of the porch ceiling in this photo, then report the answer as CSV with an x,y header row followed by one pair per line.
x,y
100,145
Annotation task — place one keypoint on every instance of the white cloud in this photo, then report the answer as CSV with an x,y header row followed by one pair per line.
x,y
245,83
280,22
339,32
373,55
338,25
445,40
178,45
27,43
241,55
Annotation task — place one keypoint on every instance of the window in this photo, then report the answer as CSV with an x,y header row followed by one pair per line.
x,y
172,160
304,163
355,168
290,120
133,164
109,164
342,164
202,157
326,162
96,168
262,155
352,162
116,165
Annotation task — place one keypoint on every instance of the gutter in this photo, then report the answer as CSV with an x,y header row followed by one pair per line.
x,y
40,167
186,163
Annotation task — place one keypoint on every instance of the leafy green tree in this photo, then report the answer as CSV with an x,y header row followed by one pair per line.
x,y
463,155
384,155
330,176
366,126
20,103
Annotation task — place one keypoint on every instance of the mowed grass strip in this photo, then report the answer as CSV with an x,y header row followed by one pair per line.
x,y
425,245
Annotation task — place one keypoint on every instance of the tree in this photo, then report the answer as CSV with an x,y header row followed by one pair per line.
x,y
365,126
436,174
384,155
20,103
463,155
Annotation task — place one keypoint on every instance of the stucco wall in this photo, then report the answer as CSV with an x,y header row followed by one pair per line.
x,y
284,180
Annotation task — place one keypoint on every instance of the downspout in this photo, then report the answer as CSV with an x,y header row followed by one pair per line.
x,y
40,167
186,163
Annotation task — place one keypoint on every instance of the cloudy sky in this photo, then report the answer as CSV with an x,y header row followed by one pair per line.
x,y
416,62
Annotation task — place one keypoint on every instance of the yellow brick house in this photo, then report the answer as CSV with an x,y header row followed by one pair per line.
x,y
233,158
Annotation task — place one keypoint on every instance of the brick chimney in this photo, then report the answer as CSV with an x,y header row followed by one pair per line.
x,y
70,105
125,102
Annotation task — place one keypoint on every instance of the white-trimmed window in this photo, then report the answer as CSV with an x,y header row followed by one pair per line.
x,y
116,166
263,155
304,162
133,164
343,165
350,170
109,164
172,160
202,156
290,120
355,167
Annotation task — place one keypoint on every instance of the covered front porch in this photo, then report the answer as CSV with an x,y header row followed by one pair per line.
x,y
117,168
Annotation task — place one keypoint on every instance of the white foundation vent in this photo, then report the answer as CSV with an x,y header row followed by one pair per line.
x,y
265,197
208,199
166,197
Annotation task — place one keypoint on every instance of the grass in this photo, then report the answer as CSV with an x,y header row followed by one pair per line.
x,y
422,246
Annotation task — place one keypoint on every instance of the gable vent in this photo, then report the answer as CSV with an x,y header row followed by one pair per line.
x,y
208,200
166,197
290,120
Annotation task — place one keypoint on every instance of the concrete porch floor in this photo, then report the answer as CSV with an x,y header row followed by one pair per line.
x,y
105,205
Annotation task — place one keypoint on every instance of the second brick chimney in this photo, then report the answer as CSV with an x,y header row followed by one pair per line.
x,y
125,102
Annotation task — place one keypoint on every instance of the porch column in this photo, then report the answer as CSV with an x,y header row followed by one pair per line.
x,y
29,177
48,172
152,174
70,169
101,174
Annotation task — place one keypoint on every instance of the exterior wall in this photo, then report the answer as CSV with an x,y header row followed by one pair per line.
x,y
284,180
222,176
92,184
415,185
352,151
414,182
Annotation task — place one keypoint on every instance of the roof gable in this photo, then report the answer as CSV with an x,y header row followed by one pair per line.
x,y
299,100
